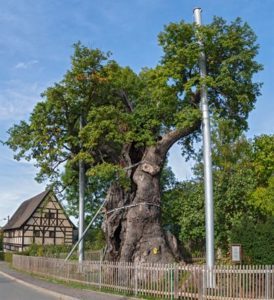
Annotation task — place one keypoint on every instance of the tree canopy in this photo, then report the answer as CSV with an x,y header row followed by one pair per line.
x,y
121,107
131,120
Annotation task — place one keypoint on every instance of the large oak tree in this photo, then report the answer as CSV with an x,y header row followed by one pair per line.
x,y
132,120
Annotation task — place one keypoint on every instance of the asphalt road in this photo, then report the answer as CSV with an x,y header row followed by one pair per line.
x,y
12,290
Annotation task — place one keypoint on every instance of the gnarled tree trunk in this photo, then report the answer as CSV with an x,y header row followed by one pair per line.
x,y
133,217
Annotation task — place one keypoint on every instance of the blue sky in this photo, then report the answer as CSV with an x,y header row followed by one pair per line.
x,y
35,47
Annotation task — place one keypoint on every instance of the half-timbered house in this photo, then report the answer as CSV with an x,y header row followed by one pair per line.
x,y
40,220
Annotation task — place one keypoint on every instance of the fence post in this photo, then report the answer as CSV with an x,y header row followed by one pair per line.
x,y
100,275
135,280
201,282
205,278
68,271
176,281
171,267
267,282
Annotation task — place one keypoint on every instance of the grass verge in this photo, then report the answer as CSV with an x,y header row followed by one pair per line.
x,y
87,287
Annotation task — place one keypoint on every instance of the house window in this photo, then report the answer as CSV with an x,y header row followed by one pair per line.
x,y
51,234
37,233
49,215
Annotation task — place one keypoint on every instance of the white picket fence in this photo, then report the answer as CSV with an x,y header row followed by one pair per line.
x,y
168,281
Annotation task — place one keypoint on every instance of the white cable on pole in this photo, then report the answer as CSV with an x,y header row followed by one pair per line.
x,y
86,230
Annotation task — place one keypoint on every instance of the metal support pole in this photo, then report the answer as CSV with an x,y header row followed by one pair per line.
x,y
207,156
81,202
86,230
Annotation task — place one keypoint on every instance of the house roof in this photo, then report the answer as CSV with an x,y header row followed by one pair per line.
x,y
25,210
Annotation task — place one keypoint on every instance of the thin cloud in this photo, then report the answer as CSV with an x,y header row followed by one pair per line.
x,y
14,194
26,65
17,99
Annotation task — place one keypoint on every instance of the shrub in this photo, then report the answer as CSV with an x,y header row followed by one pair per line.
x,y
257,240
47,250
95,239
8,257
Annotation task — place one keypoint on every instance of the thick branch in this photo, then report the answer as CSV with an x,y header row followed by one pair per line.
x,y
59,162
126,100
196,98
173,136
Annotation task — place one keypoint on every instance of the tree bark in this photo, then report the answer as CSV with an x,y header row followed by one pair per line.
x,y
133,217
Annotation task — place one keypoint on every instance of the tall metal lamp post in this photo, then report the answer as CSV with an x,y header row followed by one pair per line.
x,y
208,182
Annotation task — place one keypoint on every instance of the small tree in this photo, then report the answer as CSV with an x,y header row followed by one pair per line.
x,y
256,238
243,197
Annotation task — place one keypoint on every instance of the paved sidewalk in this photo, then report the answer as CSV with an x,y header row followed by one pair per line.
x,y
60,289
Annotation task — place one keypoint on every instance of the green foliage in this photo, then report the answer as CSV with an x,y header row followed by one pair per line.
x,y
231,192
167,178
256,238
107,172
238,187
263,157
243,190
95,239
233,180
263,163
183,214
46,250
230,51
52,135
94,192
263,197
8,257
119,108
1,255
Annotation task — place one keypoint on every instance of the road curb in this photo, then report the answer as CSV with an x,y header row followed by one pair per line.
x,y
40,289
